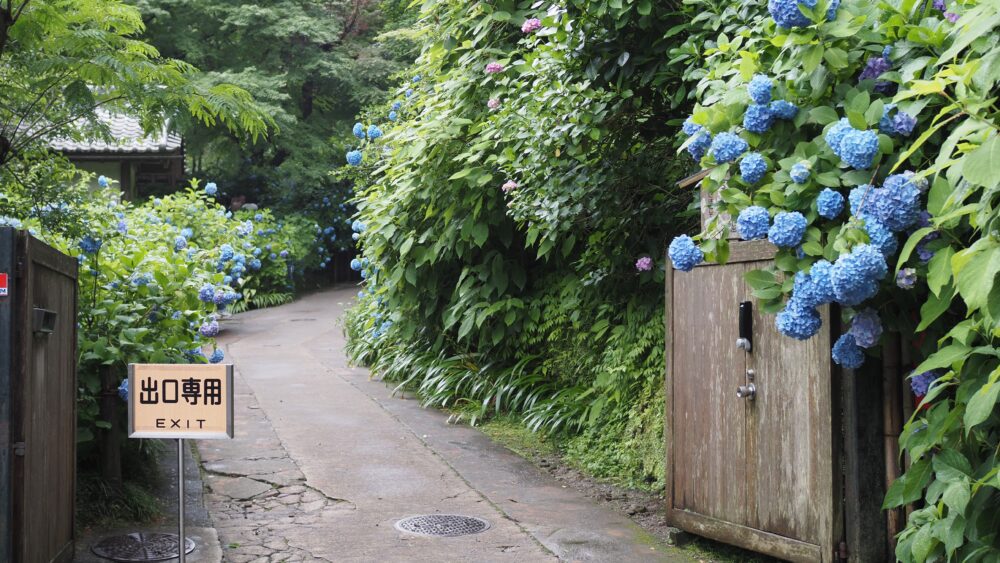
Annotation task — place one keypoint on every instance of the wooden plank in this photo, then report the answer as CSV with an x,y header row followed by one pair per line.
x,y
793,422
751,251
749,538
864,467
668,396
708,432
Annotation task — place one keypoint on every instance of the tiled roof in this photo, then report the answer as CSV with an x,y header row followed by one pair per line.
x,y
128,138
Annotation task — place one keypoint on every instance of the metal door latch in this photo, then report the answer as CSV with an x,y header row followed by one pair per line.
x,y
745,341
748,391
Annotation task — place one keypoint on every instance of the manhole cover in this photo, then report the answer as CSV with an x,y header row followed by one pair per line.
x,y
141,546
442,525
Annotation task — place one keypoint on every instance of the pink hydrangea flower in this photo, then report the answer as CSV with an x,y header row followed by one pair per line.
x,y
530,25
494,103
508,186
951,16
494,68
644,264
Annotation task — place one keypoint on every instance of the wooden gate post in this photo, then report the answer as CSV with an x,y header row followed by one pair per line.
x,y
111,454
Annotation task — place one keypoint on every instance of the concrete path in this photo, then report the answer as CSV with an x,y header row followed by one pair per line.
x,y
326,461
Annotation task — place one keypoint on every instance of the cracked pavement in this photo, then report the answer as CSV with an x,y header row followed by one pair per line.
x,y
325,461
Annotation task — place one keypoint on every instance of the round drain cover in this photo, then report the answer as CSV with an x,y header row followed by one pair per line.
x,y
141,546
442,525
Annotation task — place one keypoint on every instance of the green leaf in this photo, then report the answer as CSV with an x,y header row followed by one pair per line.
x,y
935,305
938,195
944,357
910,486
939,270
645,7
836,58
760,279
981,405
975,279
911,243
823,115
812,57
982,166
480,232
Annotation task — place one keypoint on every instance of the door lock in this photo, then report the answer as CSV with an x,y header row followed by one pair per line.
x,y
748,391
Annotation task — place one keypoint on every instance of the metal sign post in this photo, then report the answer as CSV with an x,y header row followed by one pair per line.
x,y
180,402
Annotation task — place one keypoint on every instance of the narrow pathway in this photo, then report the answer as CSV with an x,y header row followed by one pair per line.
x,y
325,462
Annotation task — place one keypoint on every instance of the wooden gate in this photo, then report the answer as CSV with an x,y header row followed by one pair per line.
x,y
37,400
759,471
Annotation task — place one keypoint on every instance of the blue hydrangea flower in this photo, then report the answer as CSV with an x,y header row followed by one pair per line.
x,y
866,328
786,13
875,67
255,264
760,89
921,383
209,329
753,222
283,254
798,321
758,118
356,265
227,280
880,236
903,124
859,196
416,78
408,93
699,144
358,130
858,148
690,127
829,204
834,135
885,123
814,288
141,279
10,222
358,226
906,278
727,147
896,203
211,188
180,243
753,167
90,245
855,275
207,293
354,158
226,252
374,132
396,105
847,353
123,390
781,109
684,254
788,229
217,356
102,181
393,116
801,171
187,233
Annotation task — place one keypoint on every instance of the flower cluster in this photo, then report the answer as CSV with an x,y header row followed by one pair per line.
x,y
684,254
494,68
829,203
786,13
788,229
753,222
856,148
920,383
644,264
531,25
800,172
727,147
753,167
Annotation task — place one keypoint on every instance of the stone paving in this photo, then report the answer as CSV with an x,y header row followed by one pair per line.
x,y
257,494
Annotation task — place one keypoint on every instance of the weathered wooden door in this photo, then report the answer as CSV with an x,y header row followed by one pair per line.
x,y
37,400
757,471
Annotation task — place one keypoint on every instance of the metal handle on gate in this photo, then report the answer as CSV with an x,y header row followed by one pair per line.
x,y
44,321
748,391
745,341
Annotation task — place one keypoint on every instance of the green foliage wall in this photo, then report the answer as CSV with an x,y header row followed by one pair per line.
x,y
504,214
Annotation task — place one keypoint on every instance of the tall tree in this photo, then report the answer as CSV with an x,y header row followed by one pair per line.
x,y
313,63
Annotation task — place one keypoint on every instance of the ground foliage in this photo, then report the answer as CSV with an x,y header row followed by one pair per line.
x,y
939,63
504,214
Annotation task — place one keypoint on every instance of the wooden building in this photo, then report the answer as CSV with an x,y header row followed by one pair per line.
x,y
144,165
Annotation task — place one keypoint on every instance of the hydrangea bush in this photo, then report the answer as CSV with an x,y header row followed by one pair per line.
x,y
155,277
895,113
